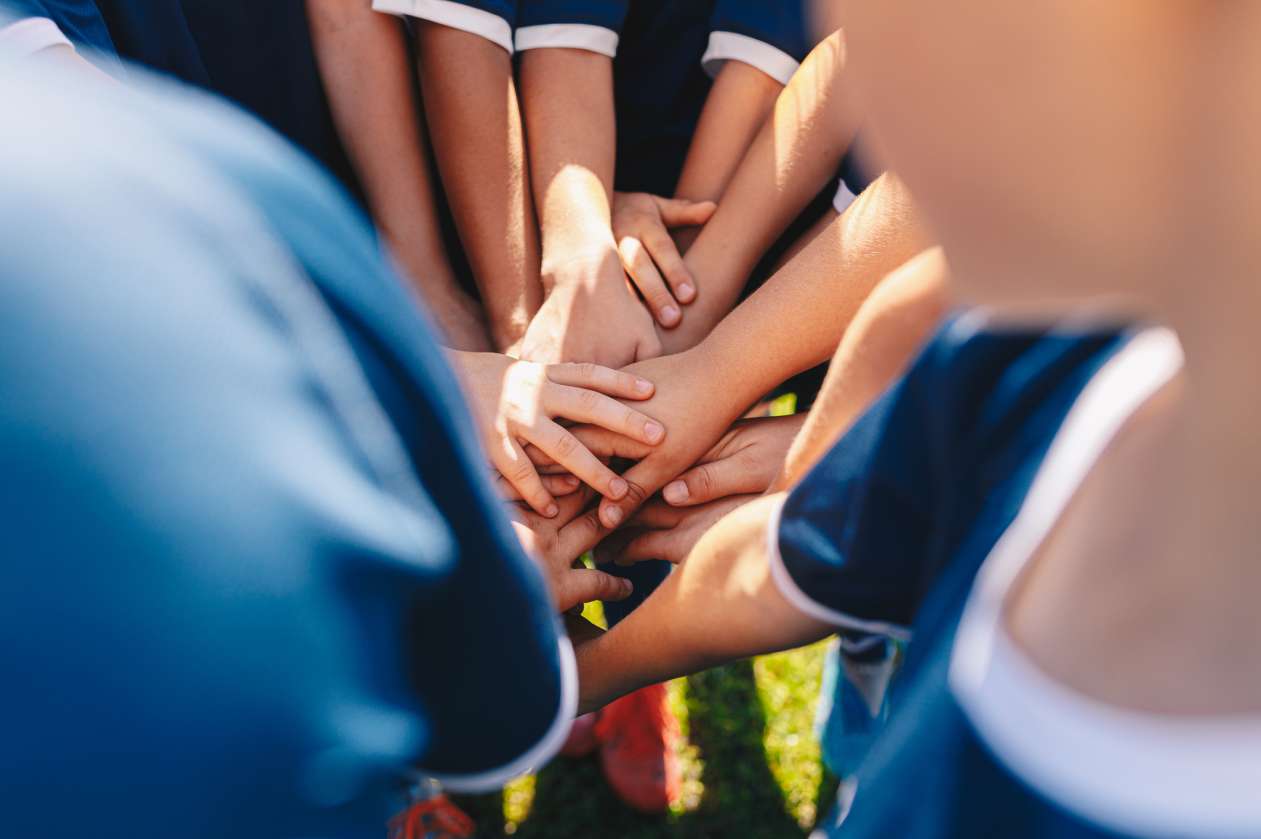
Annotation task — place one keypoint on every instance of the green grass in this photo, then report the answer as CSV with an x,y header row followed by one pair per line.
x,y
751,764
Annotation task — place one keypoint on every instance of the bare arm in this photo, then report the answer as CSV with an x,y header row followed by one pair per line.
x,y
795,153
479,143
364,65
590,313
721,604
884,336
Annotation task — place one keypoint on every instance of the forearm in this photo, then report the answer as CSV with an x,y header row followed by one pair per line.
x,y
796,320
735,109
796,151
719,605
363,61
479,144
571,137
884,336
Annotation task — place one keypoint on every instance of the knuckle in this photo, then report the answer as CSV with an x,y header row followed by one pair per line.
x,y
588,400
704,480
566,445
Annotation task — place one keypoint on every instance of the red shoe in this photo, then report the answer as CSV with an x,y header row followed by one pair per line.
x,y
639,734
582,740
432,818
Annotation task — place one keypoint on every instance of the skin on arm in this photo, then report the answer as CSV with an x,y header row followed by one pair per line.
x,y
479,144
652,232
720,605
889,328
795,321
796,152
590,312
363,62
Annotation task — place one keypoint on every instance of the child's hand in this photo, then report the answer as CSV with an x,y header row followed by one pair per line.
x,y
556,543
641,224
590,314
659,531
697,409
517,402
745,461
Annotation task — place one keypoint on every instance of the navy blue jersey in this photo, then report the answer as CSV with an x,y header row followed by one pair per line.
x,y
664,52
253,571
889,532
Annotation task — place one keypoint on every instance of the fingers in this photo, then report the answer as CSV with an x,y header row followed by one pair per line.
x,y
679,212
709,481
582,585
582,534
512,463
654,544
603,379
599,441
569,452
559,486
642,480
587,406
665,255
639,265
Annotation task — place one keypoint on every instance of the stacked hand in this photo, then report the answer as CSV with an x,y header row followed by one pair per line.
x,y
650,256
517,403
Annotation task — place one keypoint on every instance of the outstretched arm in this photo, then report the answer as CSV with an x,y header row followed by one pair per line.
x,y
479,143
888,329
363,61
720,605
796,152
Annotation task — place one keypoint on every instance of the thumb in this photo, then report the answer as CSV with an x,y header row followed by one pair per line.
x,y
709,481
582,585
679,212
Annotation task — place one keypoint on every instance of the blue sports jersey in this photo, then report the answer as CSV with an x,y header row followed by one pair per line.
x,y
888,532
253,570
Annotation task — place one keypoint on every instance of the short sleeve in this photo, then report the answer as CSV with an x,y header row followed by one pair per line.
x,y
594,25
40,24
769,35
491,19
31,35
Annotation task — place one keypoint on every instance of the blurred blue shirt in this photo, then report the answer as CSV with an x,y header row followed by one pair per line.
x,y
252,568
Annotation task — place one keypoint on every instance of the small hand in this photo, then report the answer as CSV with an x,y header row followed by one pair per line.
x,y
745,461
659,531
650,256
590,314
517,403
556,543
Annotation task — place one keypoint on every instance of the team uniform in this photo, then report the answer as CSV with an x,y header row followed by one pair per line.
x,y
958,470
664,53
254,573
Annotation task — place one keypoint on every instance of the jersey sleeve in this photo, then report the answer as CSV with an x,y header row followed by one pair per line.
x,y
769,35
594,25
491,19
34,25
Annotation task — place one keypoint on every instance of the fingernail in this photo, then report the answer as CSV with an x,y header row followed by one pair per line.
x,y
618,487
643,386
627,586
654,431
686,290
670,314
571,481
551,511
614,516
675,492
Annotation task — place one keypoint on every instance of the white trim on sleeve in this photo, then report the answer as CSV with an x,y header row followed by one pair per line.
x,y
456,15
724,46
578,36
542,751
31,35
793,594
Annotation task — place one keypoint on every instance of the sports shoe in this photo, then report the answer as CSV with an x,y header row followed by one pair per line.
x,y
638,736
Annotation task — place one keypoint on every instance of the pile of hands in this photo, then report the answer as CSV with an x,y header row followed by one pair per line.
x,y
597,440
